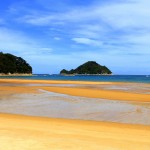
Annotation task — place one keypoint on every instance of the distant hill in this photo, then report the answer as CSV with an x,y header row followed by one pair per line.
x,y
10,64
90,67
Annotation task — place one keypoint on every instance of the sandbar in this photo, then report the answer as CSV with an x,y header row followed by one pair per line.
x,y
79,91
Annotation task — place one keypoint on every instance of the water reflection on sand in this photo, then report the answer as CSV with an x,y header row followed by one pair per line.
x,y
55,105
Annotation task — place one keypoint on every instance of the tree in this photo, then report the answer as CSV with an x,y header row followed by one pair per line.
x,y
13,64
90,67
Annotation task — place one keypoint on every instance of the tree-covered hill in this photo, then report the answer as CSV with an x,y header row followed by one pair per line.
x,y
90,67
10,64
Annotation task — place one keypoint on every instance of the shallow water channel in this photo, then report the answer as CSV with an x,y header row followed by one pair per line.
x,y
49,104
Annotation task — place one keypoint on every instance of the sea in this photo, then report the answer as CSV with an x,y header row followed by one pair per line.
x,y
95,78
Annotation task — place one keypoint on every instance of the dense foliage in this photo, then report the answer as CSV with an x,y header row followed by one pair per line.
x,y
90,67
13,64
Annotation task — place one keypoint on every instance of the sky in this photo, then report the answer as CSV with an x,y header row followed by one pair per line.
x,y
55,34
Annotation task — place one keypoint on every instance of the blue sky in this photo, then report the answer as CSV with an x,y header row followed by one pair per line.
x,y
52,35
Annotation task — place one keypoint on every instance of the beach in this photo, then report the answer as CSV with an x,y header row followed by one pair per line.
x,y
35,133
21,131
84,90
75,75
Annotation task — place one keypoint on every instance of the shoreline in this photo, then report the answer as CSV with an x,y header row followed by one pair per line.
x,y
66,81
63,74
76,79
84,91
15,74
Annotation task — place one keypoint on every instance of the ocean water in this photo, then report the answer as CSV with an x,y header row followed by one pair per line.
x,y
96,78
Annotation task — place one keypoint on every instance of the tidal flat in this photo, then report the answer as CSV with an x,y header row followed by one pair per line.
x,y
55,105
71,115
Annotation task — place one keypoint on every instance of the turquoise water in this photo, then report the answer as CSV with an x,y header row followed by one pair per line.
x,y
108,78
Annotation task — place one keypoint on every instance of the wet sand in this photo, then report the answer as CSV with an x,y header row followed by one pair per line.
x,y
36,133
84,90
55,105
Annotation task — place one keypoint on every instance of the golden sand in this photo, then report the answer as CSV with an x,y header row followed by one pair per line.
x,y
51,81
77,91
35,133
97,93
19,132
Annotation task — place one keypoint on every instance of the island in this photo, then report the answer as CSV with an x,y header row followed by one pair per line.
x,y
88,68
13,65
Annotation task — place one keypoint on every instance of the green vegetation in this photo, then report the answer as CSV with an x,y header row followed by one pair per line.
x,y
90,67
10,64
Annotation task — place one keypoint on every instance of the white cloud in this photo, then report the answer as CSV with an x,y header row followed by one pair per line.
x,y
17,42
115,20
38,19
87,41
123,14
95,30
127,14
57,38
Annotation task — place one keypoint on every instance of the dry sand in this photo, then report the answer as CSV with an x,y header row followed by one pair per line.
x,y
37,133
34,133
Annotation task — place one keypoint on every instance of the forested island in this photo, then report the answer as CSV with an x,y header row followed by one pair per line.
x,y
10,64
90,67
